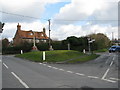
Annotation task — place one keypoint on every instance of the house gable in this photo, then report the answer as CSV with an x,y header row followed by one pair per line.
x,y
22,35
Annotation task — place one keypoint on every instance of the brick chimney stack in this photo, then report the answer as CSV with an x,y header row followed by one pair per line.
x,y
44,30
18,27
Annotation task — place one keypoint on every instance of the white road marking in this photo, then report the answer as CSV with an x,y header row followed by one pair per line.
x,y
49,66
113,58
105,73
40,63
111,63
0,60
23,83
5,65
70,71
92,77
61,69
80,74
54,68
109,80
115,79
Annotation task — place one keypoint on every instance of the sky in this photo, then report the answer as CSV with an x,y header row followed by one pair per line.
x,y
68,17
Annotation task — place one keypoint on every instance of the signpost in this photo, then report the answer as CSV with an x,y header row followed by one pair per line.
x,y
90,41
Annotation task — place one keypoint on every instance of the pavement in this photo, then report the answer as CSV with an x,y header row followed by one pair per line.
x,y
99,73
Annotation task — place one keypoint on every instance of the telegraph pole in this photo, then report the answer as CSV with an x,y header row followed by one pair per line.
x,y
49,31
112,36
50,46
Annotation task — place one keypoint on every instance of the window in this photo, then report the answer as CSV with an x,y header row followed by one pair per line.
x,y
30,33
42,35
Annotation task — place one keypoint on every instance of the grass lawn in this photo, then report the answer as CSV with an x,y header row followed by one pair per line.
x,y
56,56
101,50
84,59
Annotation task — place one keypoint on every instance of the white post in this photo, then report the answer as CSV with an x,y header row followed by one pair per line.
x,y
21,51
68,46
43,55
83,50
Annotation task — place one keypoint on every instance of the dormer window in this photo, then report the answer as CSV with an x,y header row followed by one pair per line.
x,y
42,35
30,33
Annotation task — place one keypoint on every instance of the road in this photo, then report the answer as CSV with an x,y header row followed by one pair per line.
x,y
99,73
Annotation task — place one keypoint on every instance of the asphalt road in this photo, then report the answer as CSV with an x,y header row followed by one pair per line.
x,y
99,73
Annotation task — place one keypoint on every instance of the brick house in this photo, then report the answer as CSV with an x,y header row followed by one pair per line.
x,y
22,36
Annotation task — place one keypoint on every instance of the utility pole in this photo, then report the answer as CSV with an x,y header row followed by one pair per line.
x,y
49,31
112,36
50,46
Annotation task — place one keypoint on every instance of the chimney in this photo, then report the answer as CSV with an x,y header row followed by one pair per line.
x,y
44,30
18,27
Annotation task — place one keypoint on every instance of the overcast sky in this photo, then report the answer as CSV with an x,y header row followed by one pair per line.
x,y
68,17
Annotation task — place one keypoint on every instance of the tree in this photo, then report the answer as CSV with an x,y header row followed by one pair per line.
x,y
5,43
73,40
101,41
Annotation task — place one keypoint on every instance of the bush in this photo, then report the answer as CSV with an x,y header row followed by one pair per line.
x,y
26,47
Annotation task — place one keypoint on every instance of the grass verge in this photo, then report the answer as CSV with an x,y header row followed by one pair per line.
x,y
101,50
84,59
56,56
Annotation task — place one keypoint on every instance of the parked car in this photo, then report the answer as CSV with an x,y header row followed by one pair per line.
x,y
114,49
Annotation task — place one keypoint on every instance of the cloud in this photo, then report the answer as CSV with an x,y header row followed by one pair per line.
x,y
65,31
102,11
17,10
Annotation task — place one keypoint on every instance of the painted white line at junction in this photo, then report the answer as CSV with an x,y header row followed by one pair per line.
x,y
80,74
40,63
92,77
113,58
109,80
49,66
105,73
111,63
5,65
115,79
54,68
23,83
0,60
70,71
61,69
